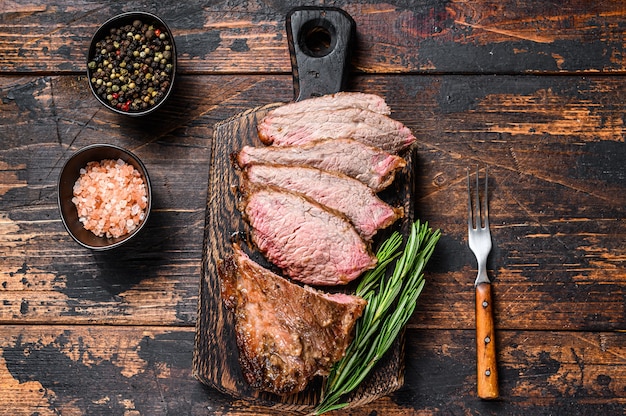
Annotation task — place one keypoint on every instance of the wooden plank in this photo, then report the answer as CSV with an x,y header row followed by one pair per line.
x,y
215,362
394,37
554,146
147,370
538,371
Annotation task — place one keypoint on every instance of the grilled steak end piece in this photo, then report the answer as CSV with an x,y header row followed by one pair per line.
x,y
286,334
336,101
373,129
307,241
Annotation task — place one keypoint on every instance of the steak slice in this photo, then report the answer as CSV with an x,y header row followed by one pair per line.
x,y
370,165
356,201
336,101
368,127
306,241
286,334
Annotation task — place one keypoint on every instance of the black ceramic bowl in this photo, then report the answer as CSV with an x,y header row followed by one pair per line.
x,y
68,177
144,64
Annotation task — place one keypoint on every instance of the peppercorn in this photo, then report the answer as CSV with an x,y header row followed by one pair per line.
x,y
133,60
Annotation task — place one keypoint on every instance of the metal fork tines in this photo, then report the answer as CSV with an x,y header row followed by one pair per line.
x,y
479,239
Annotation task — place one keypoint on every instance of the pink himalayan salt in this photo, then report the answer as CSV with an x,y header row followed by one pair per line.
x,y
110,198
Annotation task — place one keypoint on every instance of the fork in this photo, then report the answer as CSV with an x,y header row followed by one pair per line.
x,y
479,239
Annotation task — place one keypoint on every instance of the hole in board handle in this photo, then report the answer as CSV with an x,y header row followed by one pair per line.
x,y
318,38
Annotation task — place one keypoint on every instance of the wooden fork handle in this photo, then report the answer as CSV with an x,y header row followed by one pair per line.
x,y
487,371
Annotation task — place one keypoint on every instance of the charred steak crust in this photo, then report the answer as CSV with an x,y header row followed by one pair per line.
x,y
370,165
373,129
356,201
307,241
286,334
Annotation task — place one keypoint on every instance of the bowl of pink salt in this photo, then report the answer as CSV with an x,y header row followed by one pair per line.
x,y
104,196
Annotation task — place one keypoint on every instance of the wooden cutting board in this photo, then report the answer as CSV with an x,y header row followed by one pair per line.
x,y
215,360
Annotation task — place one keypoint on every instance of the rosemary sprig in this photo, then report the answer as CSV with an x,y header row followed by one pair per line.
x,y
390,303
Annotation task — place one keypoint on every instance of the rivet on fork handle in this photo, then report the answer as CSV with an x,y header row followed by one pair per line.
x,y
487,371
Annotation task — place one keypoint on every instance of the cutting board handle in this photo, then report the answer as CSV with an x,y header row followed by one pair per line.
x,y
320,41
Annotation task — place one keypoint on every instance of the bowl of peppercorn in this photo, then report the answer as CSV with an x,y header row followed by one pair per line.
x,y
131,63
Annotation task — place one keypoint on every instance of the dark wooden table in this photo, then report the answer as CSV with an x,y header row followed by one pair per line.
x,y
534,90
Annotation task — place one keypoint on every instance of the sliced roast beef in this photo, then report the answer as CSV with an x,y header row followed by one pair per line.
x,y
340,100
370,165
356,201
286,334
366,126
306,241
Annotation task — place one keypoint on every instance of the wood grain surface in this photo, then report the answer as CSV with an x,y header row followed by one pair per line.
x,y
215,361
534,90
